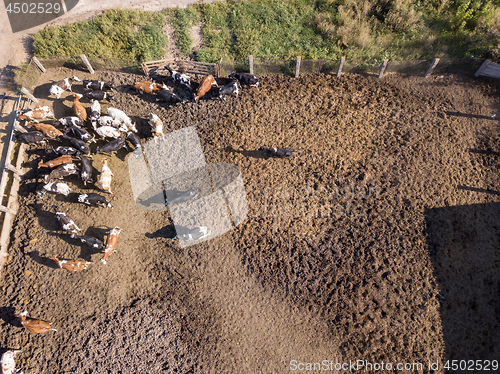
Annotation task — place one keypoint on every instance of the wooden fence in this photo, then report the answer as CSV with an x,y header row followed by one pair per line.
x,y
186,67
300,66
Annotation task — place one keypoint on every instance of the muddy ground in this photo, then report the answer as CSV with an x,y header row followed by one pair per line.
x,y
379,241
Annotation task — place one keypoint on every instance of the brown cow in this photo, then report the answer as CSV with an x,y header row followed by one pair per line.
x,y
36,326
147,87
46,129
111,243
61,160
78,108
205,86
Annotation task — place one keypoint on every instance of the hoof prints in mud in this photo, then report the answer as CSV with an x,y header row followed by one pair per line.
x,y
297,280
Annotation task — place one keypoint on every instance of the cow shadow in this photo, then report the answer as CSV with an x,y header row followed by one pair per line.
x,y
468,115
86,251
254,153
47,219
167,232
8,315
42,260
43,91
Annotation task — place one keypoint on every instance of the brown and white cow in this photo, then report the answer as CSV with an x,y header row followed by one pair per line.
x,y
106,176
36,326
61,160
157,125
40,112
111,243
78,109
205,86
147,87
71,265
46,129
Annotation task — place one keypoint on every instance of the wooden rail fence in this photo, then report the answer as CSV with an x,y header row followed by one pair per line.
x,y
186,67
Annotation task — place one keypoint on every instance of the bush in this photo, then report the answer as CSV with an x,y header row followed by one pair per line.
x,y
124,34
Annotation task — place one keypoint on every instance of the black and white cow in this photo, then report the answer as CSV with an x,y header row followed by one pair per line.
x,y
59,87
229,89
85,170
70,121
246,79
178,77
278,152
112,146
89,84
31,137
94,199
99,95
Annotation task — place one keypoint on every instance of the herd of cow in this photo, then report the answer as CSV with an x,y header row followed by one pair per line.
x,y
114,125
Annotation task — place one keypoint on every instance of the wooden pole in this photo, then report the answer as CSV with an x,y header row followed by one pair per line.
x,y
12,168
18,127
25,91
341,65
297,66
250,63
87,63
431,68
39,64
7,210
382,68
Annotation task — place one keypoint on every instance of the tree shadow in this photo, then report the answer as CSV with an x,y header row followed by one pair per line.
x,y
464,247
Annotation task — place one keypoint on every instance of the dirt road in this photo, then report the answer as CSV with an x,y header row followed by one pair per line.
x,y
16,47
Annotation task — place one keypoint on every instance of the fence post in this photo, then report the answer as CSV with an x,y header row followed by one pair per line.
x,y
25,91
86,62
382,68
431,68
250,63
38,64
297,66
341,65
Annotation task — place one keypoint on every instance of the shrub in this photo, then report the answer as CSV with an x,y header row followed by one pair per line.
x,y
125,34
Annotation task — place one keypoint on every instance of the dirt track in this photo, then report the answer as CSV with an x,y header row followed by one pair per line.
x,y
342,257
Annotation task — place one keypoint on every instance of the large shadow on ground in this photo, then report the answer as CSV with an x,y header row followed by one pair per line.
x,y
464,246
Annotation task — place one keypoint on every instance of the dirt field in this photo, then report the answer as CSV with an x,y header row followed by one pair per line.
x,y
378,242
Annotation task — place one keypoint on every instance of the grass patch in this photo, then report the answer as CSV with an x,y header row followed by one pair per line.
x,y
125,34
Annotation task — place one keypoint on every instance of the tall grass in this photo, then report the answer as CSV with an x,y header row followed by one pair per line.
x,y
182,19
124,33
357,29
